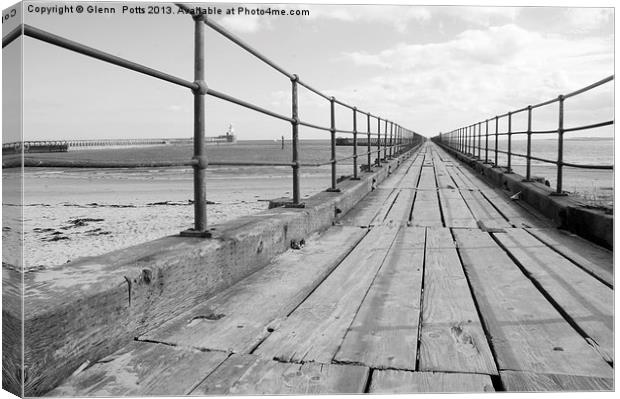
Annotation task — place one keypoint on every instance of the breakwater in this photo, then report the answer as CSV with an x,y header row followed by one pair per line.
x,y
41,146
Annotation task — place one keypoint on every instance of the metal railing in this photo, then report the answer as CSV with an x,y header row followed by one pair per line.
x,y
400,139
464,138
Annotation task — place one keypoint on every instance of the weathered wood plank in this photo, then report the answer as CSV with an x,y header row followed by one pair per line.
x,y
427,178
426,212
514,212
443,177
527,332
365,211
314,331
384,333
587,301
452,338
239,318
405,176
401,209
486,215
397,381
143,369
252,375
462,182
454,209
597,260
519,381
400,194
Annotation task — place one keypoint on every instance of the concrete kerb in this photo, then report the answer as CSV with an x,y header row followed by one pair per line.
x,y
82,311
592,224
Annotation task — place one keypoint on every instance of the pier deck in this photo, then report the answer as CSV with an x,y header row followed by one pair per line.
x,y
435,282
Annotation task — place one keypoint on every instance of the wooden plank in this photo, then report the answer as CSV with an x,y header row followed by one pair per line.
x,y
314,331
403,176
454,210
384,333
462,182
365,211
252,375
401,209
426,210
597,260
452,338
527,332
586,300
427,178
397,381
486,215
426,205
516,213
374,207
519,381
443,178
142,369
240,317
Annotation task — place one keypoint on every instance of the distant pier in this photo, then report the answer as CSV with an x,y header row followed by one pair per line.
x,y
40,146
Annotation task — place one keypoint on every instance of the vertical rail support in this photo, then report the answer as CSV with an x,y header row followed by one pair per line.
x,y
479,139
496,133
560,162
378,142
295,136
200,157
509,165
368,145
486,142
332,130
391,139
385,142
528,158
355,177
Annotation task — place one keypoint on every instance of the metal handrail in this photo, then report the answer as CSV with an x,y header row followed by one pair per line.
x,y
463,139
400,139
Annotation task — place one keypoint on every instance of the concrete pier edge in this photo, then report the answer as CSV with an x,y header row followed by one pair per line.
x,y
592,224
87,309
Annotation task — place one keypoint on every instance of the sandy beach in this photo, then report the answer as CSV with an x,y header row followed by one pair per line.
x,y
70,214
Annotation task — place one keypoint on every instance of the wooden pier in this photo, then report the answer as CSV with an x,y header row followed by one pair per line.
x,y
434,282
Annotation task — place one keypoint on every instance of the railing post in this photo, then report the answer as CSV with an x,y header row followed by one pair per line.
x,y
470,146
528,159
470,140
486,142
385,142
355,144
332,130
495,165
295,134
369,155
200,157
560,161
378,142
509,166
391,139
479,138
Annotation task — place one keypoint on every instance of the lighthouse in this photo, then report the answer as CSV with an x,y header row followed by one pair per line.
x,y
230,134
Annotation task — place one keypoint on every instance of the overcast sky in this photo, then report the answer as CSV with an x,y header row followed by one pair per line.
x,y
429,68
